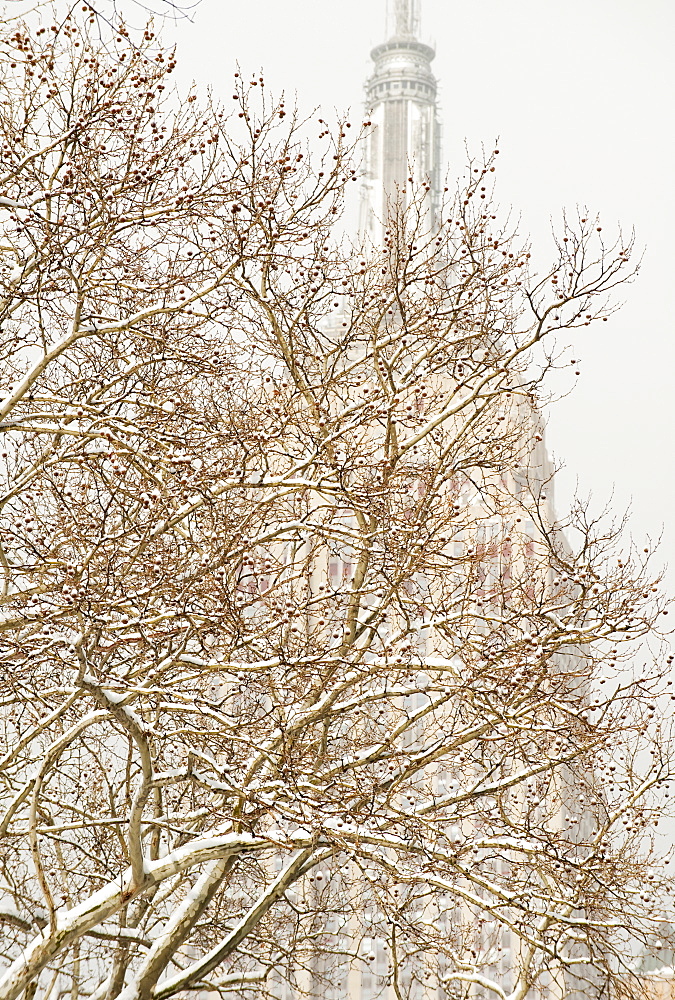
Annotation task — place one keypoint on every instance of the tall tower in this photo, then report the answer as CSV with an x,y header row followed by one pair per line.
x,y
401,102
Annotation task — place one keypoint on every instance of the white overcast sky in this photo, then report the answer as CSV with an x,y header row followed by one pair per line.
x,y
581,97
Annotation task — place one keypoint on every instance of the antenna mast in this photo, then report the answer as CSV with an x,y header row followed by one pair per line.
x,y
403,18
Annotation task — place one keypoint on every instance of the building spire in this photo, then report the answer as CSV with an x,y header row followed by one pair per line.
x,y
404,146
403,18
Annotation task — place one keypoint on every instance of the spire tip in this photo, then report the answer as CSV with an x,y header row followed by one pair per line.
x,y
403,18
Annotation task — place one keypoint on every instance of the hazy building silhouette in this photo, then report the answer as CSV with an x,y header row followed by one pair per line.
x,y
401,100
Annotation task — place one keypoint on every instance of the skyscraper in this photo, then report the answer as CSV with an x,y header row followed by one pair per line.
x,y
401,98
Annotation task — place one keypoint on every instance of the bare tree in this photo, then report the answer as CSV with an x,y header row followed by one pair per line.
x,y
106,12
301,680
